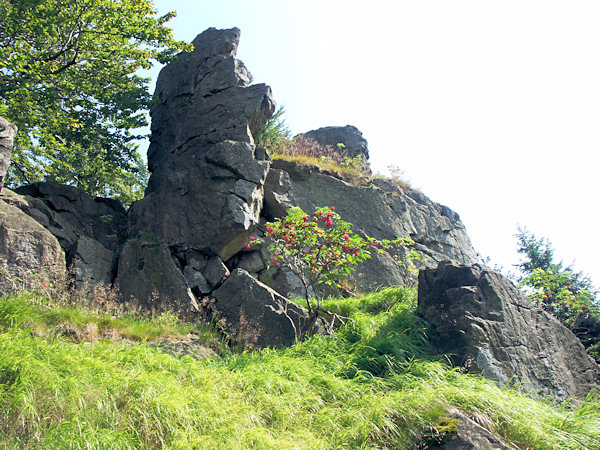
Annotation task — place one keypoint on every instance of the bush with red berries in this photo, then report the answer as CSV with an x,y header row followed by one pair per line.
x,y
320,248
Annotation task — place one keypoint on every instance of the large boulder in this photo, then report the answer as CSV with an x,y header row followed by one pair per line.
x,y
488,326
385,212
351,137
460,432
149,279
8,131
206,189
30,256
90,230
257,316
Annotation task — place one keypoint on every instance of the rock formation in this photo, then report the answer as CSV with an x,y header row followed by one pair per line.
x,y
201,152
259,316
205,192
205,196
30,256
385,212
90,230
352,139
487,326
8,131
182,248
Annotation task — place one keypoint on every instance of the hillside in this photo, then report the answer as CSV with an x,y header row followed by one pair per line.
x,y
372,384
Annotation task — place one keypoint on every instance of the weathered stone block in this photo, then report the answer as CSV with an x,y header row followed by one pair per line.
x,y
488,326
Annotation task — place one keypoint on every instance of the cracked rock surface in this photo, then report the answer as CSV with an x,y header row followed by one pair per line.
x,y
30,256
90,230
386,212
485,323
206,188
256,315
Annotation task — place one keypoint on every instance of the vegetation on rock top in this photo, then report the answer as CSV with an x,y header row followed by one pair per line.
x,y
277,138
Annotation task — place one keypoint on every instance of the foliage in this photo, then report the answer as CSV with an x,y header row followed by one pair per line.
x,y
322,248
276,137
275,134
568,295
538,253
44,315
350,390
68,81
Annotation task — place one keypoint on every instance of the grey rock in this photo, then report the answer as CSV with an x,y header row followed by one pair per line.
x,y
195,279
8,131
148,277
489,327
71,213
354,142
87,228
250,261
93,263
202,153
469,435
284,282
255,315
215,272
30,256
279,194
261,154
437,231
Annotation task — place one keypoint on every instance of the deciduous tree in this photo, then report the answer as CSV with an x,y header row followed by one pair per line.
x,y
68,80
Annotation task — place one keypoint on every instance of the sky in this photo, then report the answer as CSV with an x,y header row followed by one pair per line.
x,y
490,108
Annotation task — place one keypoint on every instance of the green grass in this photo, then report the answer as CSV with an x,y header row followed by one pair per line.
x,y
374,383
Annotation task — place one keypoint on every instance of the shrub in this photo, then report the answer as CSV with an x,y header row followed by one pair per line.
x,y
321,248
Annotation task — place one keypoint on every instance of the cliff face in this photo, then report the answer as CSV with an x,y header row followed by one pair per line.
x,y
201,151
182,247
385,212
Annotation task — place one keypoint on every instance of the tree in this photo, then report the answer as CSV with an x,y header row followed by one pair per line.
x,y
321,248
68,81
568,295
538,252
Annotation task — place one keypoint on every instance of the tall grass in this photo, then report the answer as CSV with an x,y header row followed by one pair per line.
x,y
372,384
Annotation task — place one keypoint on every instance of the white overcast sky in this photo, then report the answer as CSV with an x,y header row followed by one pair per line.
x,y
490,107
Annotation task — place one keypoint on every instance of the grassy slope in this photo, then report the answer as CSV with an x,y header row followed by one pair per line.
x,y
372,384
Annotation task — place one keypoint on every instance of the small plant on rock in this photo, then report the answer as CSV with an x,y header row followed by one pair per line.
x,y
320,248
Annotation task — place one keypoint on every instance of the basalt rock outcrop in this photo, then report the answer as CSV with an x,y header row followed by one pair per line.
x,y
182,247
201,151
354,144
90,230
205,197
8,131
205,192
383,211
486,325
30,256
